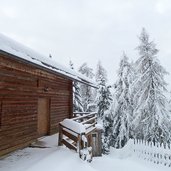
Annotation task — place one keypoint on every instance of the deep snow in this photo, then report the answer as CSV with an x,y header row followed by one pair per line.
x,y
53,158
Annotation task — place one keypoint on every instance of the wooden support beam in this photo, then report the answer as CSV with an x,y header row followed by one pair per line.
x,y
79,146
60,135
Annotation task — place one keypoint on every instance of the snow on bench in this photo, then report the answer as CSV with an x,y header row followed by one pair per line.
x,y
74,126
74,133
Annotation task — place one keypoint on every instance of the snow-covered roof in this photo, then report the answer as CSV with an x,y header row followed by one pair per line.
x,y
22,52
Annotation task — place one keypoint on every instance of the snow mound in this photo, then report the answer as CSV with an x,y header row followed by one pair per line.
x,y
124,152
99,126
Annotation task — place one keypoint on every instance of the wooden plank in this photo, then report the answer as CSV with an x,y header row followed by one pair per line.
x,y
69,129
12,63
90,130
18,146
16,139
16,80
20,87
96,143
79,144
91,125
89,120
81,117
69,145
6,128
60,136
69,135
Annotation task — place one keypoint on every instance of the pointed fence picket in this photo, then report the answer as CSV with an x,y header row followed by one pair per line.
x,y
153,152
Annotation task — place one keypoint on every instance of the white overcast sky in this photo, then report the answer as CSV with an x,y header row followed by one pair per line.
x,y
88,30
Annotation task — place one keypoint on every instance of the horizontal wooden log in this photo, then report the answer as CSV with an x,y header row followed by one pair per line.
x,y
93,119
18,146
11,63
20,87
85,116
18,140
69,145
69,135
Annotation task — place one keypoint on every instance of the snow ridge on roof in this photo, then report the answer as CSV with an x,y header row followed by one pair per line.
x,y
12,47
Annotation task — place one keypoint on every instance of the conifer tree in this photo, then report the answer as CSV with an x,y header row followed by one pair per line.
x,y
86,91
104,99
101,73
122,109
107,135
104,96
77,100
151,114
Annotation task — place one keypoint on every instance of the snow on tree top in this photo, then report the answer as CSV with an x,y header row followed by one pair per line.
x,y
24,53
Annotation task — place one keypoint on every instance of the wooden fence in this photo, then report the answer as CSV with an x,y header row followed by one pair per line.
x,y
152,152
72,137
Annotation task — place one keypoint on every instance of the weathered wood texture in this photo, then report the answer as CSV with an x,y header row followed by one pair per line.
x,y
74,140
95,140
21,85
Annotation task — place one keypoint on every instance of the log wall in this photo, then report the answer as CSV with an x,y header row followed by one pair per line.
x,y
21,84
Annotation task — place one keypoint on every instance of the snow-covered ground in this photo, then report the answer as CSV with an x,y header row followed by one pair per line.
x,y
53,158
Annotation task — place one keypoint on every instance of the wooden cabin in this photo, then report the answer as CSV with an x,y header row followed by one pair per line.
x,y
35,95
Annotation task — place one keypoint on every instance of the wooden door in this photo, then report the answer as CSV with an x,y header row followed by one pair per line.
x,y
43,116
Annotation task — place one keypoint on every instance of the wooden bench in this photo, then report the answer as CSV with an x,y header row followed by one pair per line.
x,y
75,133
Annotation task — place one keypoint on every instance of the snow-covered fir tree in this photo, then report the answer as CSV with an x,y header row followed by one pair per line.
x,y
103,101
122,110
169,101
101,73
77,100
86,91
131,75
104,96
151,114
107,134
